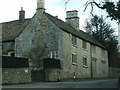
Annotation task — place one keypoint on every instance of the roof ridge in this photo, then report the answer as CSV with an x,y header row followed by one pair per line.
x,y
68,28
13,21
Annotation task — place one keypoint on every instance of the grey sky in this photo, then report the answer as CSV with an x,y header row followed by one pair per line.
x,y
10,9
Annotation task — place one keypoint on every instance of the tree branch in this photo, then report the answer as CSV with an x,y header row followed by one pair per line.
x,y
98,5
91,3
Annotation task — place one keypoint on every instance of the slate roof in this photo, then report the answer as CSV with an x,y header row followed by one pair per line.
x,y
68,28
10,30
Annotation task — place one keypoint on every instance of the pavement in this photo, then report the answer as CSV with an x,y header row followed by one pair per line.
x,y
77,83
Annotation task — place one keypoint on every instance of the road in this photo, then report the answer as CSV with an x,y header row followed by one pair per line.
x,y
111,83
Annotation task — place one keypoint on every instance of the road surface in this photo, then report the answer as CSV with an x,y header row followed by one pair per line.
x,y
110,83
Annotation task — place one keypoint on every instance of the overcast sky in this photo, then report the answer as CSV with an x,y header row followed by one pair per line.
x,y
10,9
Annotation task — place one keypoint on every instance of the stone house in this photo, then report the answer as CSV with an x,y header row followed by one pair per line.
x,y
46,36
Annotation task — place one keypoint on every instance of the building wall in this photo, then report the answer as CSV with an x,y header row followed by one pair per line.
x,y
114,72
38,40
16,75
70,69
42,36
6,46
99,62
53,74
98,68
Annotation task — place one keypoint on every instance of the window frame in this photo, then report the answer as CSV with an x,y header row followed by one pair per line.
x,y
53,54
74,40
74,58
84,59
84,44
11,53
103,54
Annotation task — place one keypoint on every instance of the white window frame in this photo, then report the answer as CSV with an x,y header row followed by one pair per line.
x,y
10,53
53,54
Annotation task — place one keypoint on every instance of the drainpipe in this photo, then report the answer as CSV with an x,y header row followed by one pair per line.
x,y
91,61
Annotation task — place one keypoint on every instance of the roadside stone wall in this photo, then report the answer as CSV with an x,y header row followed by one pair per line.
x,y
16,75
53,74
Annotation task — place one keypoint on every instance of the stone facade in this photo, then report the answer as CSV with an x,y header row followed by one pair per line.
x,y
98,68
114,72
39,39
16,75
29,45
46,36
53,74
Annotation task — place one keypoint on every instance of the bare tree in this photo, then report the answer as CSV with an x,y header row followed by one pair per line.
x,y
112,8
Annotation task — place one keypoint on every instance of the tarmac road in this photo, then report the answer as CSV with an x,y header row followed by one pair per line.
x,y
110,83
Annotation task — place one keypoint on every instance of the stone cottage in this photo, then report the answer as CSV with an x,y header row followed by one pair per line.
x,y
46,36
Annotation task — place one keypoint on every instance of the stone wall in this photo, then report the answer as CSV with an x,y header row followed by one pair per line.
x,y
114,72
69,68
53,74
99,65
16,75
38,40
38,75
41,36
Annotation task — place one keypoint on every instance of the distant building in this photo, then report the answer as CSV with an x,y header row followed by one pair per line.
x,y
46,36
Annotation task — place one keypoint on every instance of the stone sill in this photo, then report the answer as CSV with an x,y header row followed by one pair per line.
x,y
74,45
74,64
85,66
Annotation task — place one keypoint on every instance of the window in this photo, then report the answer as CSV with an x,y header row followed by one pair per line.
x,y
103,53
84,61
84,44
11,53
53,54
93,51
74,58
74,40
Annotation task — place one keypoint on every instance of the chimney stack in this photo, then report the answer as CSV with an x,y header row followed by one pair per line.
x,y
88,30
73,19
41,5
22,15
